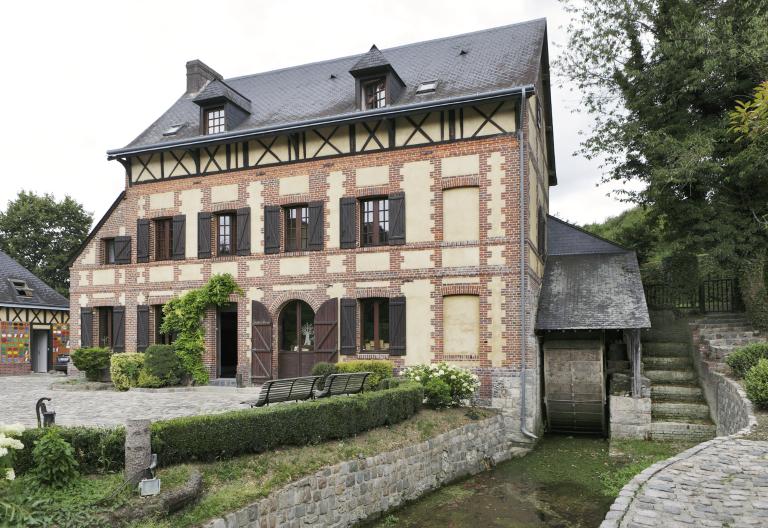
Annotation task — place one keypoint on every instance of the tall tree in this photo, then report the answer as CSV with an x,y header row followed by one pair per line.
x,y
41,234
638,228
659,78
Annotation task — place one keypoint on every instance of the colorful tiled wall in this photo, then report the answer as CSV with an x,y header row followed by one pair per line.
x,y
14,342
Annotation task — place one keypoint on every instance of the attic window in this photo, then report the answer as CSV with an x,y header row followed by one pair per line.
x,y
173,129
214,120
426,87
21,288
375,94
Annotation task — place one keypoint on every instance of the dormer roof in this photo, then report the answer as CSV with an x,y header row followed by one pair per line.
x,y
218,91
372,61
15,277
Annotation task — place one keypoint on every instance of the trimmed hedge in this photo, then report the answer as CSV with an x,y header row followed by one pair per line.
x,y
97,449
239,432
91,361
125,369
379,368
744,358
756,384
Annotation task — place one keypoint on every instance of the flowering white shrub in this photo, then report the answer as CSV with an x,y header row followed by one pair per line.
x,y
7,443
461,383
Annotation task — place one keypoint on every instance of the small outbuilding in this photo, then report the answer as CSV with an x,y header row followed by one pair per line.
x,y
34,321
591,310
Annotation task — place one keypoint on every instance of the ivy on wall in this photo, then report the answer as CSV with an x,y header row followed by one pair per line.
x,y
184,318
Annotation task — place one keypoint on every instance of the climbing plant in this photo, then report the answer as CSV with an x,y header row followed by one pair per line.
x,y
184,319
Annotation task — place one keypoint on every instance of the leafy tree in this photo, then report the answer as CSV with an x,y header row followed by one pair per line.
x,y
659,78
41,234
639,228
749,120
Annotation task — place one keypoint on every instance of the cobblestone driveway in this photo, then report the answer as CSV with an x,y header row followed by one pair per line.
x,y
722,483
18,395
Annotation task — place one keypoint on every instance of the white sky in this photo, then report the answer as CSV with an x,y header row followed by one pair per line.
x,y
80,77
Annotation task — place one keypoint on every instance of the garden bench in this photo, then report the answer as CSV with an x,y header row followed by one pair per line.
x,y
337,384
286,389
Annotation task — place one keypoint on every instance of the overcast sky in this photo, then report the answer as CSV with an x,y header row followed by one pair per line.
x,y
79,77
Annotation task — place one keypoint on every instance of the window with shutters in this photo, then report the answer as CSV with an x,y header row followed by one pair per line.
x,y
374,222
297,327
109,251
160,338
375,324
163,239
296,228
105,326
226,243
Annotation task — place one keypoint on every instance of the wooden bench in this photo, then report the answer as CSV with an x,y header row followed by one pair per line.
x,y
337,384
286,389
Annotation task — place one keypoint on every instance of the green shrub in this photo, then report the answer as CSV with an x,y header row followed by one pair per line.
x,y
96,449
744,358
379,369
437,394
149,381
210,437
389,383
54,459
461,382
756,383
323,369
161,361
91,361
125,369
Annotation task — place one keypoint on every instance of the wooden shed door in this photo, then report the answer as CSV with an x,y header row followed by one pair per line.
x,y
574,382
261,342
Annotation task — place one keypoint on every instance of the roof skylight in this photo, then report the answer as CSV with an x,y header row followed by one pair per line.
x,y
173,129
426,87
21,288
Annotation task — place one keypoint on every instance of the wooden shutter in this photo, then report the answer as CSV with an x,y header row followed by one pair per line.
x,y
203,235
142,327
243,225
397,326
348,326
179,237
123,250
272,229
397,218
86,327
261,341
316,226
327,327
348,225
118,329
142,240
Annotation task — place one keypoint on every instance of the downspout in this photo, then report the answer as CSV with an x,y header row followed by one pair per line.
x,y
521,141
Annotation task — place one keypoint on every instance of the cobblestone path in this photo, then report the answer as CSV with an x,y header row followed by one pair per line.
x,y
18,395
720,483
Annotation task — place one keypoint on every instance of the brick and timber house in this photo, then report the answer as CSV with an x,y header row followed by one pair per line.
x,y
387,205
34,321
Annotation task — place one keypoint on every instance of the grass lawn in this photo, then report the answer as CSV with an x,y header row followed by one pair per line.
x,y
227,484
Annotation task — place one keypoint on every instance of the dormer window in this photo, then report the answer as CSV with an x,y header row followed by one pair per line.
x,y
214,120
375,94
21,288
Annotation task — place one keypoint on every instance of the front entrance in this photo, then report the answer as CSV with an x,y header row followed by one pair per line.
x,y
296,340
227,341
40,340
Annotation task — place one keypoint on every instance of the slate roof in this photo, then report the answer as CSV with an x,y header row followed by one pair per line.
x,y
498,59
221,90
43,296
373,59
589,283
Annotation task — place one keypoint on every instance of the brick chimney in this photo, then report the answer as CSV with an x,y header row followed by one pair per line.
x,y
198,73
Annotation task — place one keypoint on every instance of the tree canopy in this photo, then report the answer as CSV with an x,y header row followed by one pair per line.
x,y
638,228
42,234
660,78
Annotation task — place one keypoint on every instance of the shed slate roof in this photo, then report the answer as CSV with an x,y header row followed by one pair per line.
x,y
496,59
595,286
42,295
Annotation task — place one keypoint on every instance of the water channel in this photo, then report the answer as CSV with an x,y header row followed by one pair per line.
x,y
561,484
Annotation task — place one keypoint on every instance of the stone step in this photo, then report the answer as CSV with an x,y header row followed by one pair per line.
x,y
672,336
675,430
719,353
666,349
676,392
727,329
670,376
662,363
684,411
223,382
734,341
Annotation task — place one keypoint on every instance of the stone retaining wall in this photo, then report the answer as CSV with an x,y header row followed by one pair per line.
x,y
728,404
630,417
348,492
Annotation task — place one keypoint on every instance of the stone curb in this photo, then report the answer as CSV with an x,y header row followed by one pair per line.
x,y
205,388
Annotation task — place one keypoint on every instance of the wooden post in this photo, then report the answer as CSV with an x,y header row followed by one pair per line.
x,y
632,338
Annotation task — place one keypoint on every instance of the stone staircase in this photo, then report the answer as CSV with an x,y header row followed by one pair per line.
x,y
678,408
717,335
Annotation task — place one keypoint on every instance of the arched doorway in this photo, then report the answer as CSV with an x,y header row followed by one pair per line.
x,y
296,340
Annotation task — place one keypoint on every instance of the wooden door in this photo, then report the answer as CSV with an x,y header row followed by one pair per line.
x,y
261,342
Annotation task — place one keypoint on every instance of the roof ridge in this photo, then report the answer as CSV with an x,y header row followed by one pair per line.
x,y
625,248
345,57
